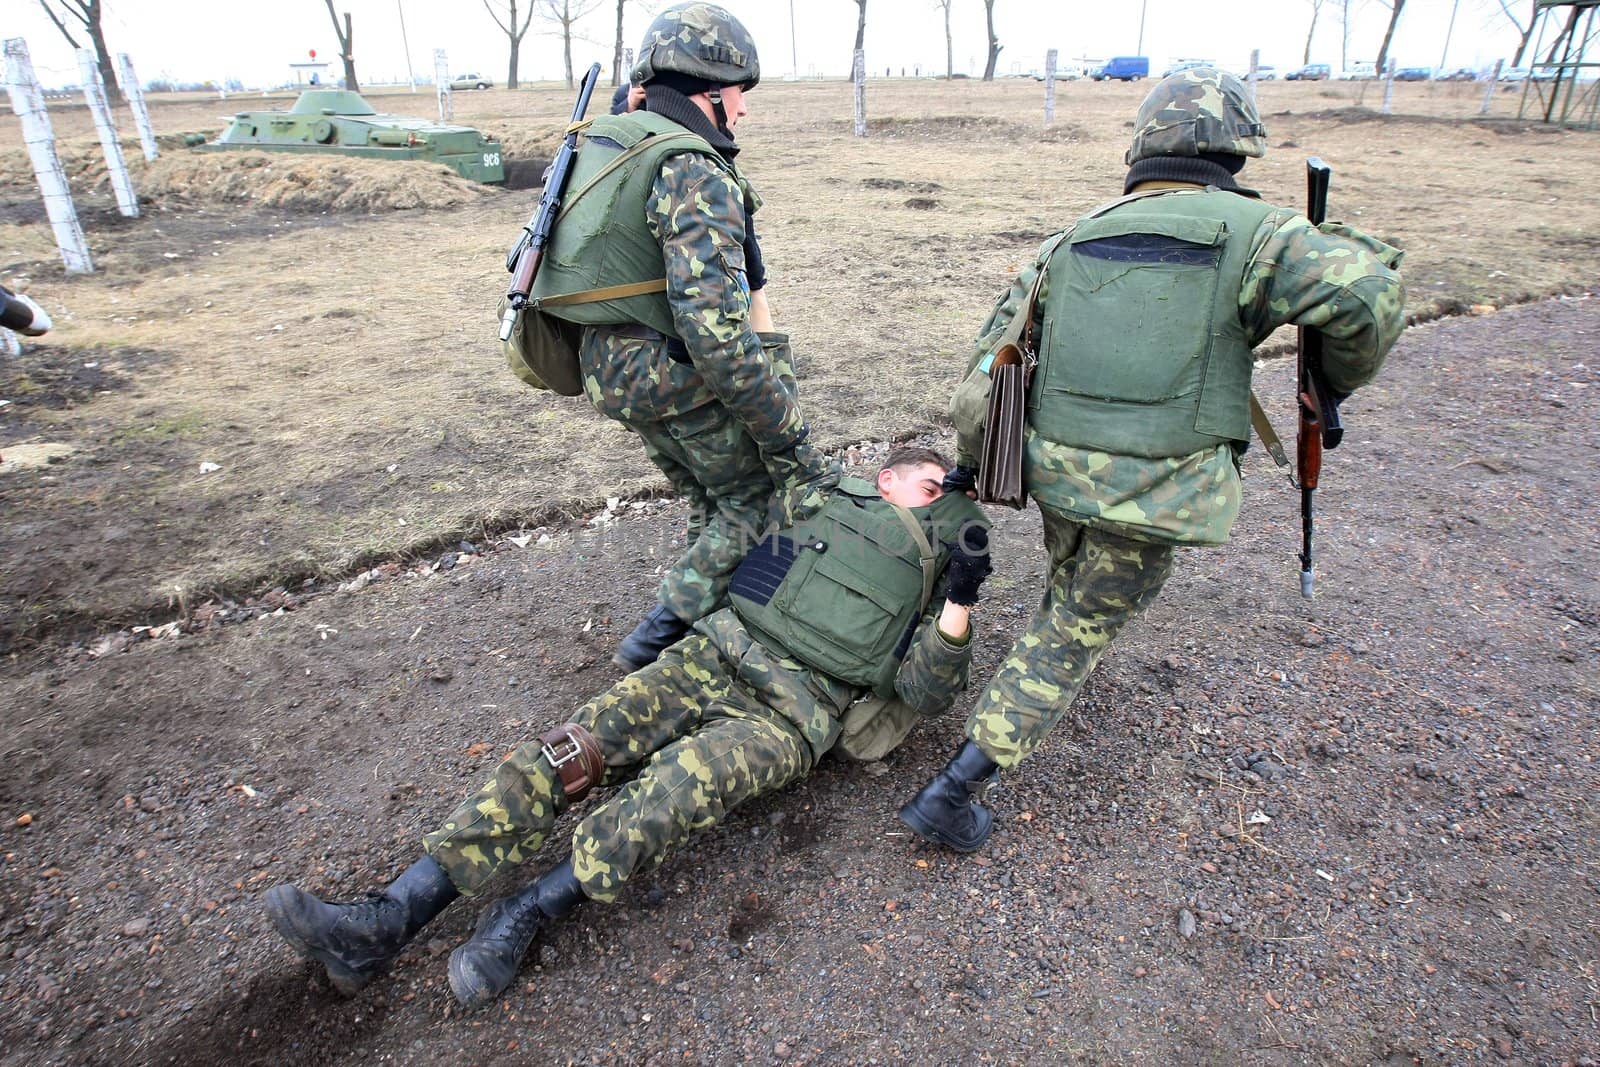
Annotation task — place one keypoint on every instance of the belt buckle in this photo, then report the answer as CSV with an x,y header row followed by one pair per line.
x,y
562,758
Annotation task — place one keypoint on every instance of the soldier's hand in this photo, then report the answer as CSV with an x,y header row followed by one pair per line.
x,y
970,564
961,479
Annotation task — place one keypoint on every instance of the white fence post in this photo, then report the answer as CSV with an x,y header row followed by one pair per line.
x,y
1488,90
1388,86
858,76
95,94
141,114
1049,86
441,85
1255,64
28,102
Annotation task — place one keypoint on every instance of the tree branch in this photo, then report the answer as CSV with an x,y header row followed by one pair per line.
x,y
59,24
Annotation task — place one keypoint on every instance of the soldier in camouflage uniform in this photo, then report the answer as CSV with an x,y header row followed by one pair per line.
x,y
1138,409
693,370
721,717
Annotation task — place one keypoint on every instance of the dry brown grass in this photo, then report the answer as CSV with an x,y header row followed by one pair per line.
x,y
311,356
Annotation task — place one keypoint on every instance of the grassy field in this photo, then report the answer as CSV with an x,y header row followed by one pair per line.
x,y
340,367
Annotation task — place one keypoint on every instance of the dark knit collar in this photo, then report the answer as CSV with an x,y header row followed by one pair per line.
x,y
674,106
1190,169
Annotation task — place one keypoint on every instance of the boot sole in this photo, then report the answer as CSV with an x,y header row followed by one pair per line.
x,y
627,664
468,987
931,835
279,902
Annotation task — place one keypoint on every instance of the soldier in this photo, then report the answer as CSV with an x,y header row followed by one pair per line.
x,y
688,362
1138,409
820,613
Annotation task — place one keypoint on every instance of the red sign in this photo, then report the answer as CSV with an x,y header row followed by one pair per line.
x,y
313,53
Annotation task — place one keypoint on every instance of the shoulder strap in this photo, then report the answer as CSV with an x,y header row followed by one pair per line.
x,y
644,144
928,558
610,292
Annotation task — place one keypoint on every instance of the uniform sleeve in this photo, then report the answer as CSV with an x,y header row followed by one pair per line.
x,y
1333,278
934,671
755,265
697,213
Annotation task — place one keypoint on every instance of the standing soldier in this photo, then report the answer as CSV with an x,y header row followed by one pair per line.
x,y
1139,406
679,359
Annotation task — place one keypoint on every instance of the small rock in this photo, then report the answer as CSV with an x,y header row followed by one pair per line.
x,y
781,1051
149,803
1186,925
136,927
438,946
442,674
1312,639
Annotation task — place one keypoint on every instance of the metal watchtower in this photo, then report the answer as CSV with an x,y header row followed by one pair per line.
x,y
1557,85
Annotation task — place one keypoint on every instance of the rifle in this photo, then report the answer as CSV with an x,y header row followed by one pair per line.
x,y
1319,426
524,258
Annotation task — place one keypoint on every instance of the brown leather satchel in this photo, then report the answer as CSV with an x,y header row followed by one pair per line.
x,y
1010,372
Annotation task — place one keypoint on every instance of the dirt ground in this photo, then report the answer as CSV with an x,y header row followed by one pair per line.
x,y
1360,830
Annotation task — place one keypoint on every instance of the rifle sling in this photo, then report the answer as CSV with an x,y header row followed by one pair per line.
x,y
928,558
1264,430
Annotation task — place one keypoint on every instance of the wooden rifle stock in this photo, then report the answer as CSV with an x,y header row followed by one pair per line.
x,y
525,256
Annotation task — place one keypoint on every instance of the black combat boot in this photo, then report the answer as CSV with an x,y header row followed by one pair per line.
x,y
481,969
949,810
356,942
655,632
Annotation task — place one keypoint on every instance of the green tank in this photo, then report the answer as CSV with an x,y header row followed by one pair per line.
x,y
339,122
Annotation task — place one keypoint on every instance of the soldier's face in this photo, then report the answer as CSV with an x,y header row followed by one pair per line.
x,y
732,105
912,486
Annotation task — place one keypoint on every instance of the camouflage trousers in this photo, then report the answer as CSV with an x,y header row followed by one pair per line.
x,y
1099,582
685,741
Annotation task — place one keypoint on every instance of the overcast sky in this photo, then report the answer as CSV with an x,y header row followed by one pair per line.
x,y
255,41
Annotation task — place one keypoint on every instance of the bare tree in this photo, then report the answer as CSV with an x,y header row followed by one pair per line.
x,y
994,42
346,51
1525,31
949,45
563,15
1316,9
1395,7
514,32
87,13
861,31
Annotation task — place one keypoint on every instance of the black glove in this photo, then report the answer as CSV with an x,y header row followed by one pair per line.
x,y
970,564
961,479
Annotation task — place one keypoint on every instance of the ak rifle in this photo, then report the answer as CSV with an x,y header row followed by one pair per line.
x,y
524,258
1319,427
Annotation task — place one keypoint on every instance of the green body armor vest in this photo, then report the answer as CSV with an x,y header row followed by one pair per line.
x,y
843,591
1142,352
603,266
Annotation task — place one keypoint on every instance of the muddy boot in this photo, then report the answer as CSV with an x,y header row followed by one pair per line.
x,y
949,810
481,969
649,639
356,942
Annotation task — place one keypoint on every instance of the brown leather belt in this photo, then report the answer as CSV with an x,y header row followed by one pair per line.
x,y
575,755
640,332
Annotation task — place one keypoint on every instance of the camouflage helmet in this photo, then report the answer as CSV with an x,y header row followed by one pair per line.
x,y
1196,111
699,40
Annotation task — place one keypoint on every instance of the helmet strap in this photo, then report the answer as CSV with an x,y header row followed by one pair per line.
x,y
715,96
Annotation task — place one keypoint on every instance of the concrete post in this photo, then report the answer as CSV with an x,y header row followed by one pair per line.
x,y
28,102
441,85
1255,63
1488,90
859,77
1388,87
141,114
95,94
1050,87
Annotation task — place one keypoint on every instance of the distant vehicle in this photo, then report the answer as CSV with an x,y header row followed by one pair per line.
x,y
1123,68
1514,74
471,81
1311,72
1460,74
1359,71
1264,72
1413,74
1186,64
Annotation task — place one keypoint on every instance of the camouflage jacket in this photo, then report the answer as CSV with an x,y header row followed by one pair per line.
x,y
697,210
1332,277
933,673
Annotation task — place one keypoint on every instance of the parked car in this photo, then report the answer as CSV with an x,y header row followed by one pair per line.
x,y
471,81
1359,71
1185,64
1264,72
1311,72
1514,74
1460,74
1123,68
1413,74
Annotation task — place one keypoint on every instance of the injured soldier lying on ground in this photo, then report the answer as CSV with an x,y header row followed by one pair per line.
x,y
859,607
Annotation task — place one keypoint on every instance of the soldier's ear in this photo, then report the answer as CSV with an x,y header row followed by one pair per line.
x,y
886,480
